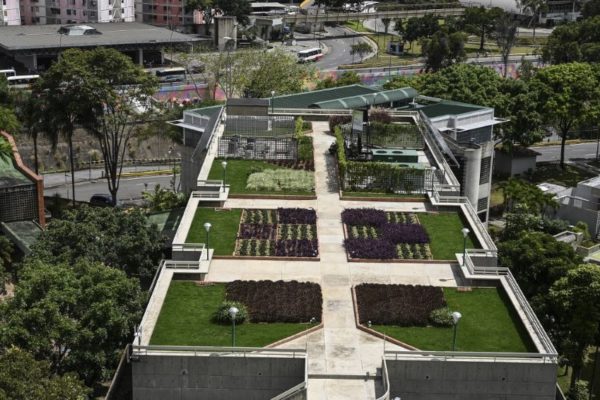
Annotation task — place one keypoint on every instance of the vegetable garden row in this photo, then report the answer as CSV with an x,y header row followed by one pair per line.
x,y
285,232
377,234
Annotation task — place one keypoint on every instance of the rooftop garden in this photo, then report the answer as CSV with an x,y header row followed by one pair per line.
x,y
282,232
420,316
190,315
386,235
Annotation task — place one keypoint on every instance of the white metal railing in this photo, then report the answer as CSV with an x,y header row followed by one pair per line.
x,y
416,10
488,257
177,264
210,182
189,246
197,194
216,351
530,314
385,379
543,358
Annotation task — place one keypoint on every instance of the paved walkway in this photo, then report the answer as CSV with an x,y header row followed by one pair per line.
x,y
339,348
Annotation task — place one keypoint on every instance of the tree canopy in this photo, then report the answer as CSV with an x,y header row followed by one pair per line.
x,y
117,238
75,315
574,41
571,97
24,378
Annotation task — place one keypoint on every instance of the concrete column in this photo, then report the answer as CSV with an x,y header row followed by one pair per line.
x,y
141,57
34,62
472,170
162,56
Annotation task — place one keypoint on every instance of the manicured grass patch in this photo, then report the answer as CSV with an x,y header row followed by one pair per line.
x,y
553,173
238,172
488,324
186,320
223,232
445,235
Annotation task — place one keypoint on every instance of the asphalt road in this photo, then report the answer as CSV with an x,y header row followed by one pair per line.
x,y
339,50
130,189
572,151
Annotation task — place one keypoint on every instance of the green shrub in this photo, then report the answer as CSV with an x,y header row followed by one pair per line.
x,y
305,148
221,316
281,180
441,317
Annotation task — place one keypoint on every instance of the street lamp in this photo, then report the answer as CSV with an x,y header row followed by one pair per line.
x,y
232,313
207,226
224,165
465,232
456,316
272,103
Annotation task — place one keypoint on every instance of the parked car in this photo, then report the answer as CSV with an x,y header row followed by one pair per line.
x,y
102,200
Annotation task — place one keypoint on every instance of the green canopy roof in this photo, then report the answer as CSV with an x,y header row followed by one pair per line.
x,y
371,99
304,100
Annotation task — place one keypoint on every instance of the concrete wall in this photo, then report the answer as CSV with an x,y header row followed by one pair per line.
x,y
505,165
161,377
471,380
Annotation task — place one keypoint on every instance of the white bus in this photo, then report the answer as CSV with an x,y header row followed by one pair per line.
x,y
22,81
8,72
171,75
314,54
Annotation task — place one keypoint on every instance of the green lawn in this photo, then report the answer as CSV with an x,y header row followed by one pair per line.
x,y
185,320
487,324
238,172
445,235
223,232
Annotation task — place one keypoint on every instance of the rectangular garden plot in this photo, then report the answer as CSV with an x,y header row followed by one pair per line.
x,y
285,232
380,235
274,311
420,316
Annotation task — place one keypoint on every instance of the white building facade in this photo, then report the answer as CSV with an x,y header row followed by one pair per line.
x,y
9,12
33,12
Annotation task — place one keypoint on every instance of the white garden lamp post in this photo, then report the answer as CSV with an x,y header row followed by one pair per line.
x,y
465,232
232,313
207,226
272,103
456,316
224,165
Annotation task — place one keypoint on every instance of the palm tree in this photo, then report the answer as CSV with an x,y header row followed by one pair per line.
x,y
536,8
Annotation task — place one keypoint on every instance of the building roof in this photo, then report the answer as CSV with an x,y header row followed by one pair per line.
x,y
304,100
448,107
31,37
370,99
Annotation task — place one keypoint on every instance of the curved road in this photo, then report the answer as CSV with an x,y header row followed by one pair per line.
x,y
339,50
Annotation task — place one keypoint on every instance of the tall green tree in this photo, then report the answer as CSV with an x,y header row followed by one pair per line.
x,y
115,113
506,37
30,113
575,298
76,316
443,49
563,44
116,238
240,9
361,48
535,8
537,260
22,377
65,94
571,97
481,21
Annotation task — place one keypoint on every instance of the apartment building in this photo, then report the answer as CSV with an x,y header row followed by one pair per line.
x,y
163,13
9,12
75,11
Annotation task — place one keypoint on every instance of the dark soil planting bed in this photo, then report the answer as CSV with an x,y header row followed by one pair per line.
x,y
285,232
280,301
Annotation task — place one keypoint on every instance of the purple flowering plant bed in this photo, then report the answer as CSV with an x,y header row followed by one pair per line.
x,y
380,235
284,232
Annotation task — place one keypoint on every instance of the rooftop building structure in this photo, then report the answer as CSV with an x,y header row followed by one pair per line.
x,y
36,46
349,349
